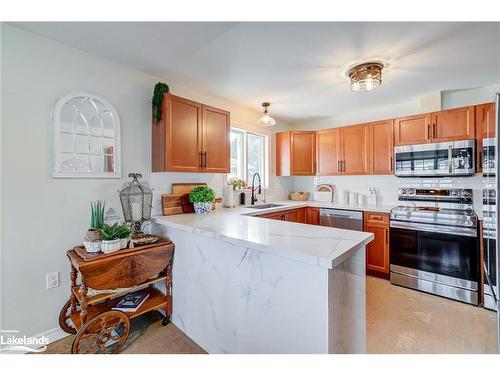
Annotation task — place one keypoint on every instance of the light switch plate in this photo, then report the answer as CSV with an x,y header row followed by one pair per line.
x,y
52,280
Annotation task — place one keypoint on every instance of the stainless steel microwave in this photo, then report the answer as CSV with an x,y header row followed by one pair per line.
x,y
435,159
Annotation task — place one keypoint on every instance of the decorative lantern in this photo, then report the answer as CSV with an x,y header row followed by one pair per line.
x,y
136,198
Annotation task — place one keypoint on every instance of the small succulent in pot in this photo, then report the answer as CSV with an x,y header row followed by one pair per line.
x,y
202,198
92,239
112,236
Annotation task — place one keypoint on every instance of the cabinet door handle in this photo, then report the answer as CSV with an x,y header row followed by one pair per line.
x,y
434,130
392,164
338,165
387,236
480,163
378,218
343,165
428,131
205,162
201,159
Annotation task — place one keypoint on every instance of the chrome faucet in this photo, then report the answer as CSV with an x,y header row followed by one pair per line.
x,y
253,199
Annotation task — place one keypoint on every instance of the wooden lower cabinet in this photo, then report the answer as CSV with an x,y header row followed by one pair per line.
x,y
313,215
299,215
377,251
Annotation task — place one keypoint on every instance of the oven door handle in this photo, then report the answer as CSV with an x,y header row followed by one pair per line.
x,y
459,231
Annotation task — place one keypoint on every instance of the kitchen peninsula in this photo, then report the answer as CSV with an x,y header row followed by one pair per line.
x,y
244,284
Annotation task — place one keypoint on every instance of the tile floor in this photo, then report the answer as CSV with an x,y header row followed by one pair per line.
x,y
399,320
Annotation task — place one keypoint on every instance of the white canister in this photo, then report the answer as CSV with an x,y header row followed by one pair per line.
x,y
345,196
228,198
353,198
361,199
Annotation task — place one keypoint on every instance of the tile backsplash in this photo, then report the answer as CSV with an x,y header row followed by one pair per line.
x,y
387,185
278,190
280,187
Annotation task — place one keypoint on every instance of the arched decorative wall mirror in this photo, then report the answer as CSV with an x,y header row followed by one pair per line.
x,y
85,137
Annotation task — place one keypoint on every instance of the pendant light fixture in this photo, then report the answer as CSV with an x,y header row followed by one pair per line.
x,y
365,77
266,120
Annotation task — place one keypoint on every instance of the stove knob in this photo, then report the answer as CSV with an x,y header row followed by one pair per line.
x,y
411,191
454,193
466,194
402,191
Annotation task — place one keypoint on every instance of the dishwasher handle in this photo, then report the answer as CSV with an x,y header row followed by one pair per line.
x,y
342,214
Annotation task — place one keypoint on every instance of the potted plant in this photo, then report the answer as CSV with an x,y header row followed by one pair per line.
x,y
112,236
92,239
237,183
202,197
124,233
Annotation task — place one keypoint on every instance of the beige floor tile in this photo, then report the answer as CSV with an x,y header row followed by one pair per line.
x,y
399,320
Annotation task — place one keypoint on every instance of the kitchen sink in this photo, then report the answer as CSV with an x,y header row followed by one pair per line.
x,y
263,206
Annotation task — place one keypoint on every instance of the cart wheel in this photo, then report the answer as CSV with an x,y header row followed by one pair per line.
x,y
105,333
166,320
64,321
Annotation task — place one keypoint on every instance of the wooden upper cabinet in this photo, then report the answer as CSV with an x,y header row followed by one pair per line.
x,y
303,153
296,153
215,140
355,141
453,124
183,126
328,152
412,130
381,147
190,137
485,120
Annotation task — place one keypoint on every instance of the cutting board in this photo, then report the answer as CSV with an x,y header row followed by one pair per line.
x,y
185,188
171,204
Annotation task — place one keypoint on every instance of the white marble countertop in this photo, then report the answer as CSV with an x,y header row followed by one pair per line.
x,y
317,245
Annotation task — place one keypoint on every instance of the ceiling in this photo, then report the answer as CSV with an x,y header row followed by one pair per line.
x,y
296,66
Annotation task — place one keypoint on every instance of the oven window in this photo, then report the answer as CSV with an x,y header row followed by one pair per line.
x,y
439,253
422,160
404,250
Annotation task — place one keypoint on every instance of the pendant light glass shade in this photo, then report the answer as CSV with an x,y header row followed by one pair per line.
x,y
266,120
366,77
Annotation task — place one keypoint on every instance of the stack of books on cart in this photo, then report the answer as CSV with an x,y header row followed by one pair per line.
x,y
132,301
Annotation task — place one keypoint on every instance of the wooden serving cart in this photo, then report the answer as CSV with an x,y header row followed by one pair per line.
x,y
98,328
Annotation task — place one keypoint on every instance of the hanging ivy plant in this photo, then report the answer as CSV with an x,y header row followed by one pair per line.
x,y
158,92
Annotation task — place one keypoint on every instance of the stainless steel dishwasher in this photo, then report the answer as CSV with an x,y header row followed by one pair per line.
x,y
342,219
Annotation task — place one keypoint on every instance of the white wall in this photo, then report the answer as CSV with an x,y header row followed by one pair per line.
x,y
43,217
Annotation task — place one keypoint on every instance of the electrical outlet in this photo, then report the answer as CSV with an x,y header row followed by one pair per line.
x,y
52,280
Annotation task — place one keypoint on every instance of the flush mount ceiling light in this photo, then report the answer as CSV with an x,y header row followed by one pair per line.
x,y
266,120
366,76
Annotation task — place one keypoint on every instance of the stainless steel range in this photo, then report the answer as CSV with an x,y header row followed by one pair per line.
x,y
434,243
